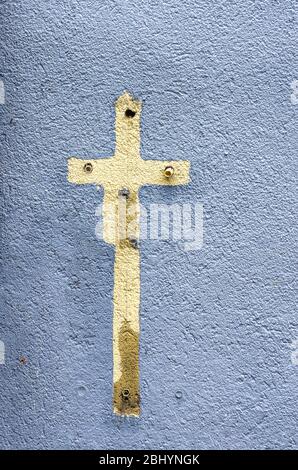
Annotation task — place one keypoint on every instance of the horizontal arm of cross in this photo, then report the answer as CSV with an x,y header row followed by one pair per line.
x,y
114,174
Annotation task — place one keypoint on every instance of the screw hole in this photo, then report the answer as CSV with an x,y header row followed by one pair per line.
x,y
88,167
123,192
23,360
129,113
168,171
125,394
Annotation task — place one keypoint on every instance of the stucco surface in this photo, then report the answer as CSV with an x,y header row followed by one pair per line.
x,y
216,324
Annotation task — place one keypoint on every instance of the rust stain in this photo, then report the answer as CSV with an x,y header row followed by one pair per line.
x,y
126,389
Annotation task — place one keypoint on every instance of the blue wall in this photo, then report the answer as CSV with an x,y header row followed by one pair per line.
x,y
215,81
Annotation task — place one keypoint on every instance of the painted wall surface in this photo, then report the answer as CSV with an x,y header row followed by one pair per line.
x,y
218,324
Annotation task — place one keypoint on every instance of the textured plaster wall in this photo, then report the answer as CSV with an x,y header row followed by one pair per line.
x,y
216,324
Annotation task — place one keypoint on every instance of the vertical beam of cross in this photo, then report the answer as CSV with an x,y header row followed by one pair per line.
x,y
121,176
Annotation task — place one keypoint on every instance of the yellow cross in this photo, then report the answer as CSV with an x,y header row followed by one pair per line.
x,y
121,176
